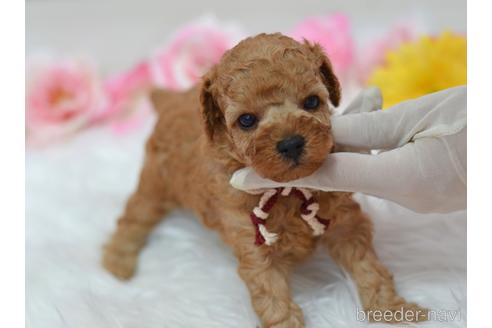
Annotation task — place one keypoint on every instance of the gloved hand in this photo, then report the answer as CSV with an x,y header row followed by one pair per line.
x,y
422,167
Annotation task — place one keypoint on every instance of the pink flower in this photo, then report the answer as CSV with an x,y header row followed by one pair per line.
x,y
127,96
189,55
62,97
193,50
374,54
334,35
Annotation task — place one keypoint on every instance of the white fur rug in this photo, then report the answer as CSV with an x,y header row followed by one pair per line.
x,y
187,276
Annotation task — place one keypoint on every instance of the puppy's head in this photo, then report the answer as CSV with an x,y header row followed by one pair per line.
x,y
267,105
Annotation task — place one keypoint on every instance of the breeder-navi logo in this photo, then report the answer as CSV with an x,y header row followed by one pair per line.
x,y
408,315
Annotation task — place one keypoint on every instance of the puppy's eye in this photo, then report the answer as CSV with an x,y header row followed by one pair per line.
x,y
247,121
311,103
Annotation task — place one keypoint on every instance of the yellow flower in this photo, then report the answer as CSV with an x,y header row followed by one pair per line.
x,y
417,68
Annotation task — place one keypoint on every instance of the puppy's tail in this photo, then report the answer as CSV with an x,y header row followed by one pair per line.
x,y
161,98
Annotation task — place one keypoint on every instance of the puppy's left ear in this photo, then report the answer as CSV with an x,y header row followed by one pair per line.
x,y
326,71
212,116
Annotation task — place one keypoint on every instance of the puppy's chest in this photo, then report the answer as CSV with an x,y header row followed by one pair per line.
x,y
295,236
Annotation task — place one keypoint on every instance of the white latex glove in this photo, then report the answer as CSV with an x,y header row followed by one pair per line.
x,y
423,167
367,100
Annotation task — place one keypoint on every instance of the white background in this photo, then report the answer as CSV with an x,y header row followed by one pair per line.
x,y
117,33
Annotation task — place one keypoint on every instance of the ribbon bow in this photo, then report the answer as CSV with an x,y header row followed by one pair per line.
x,y
309,209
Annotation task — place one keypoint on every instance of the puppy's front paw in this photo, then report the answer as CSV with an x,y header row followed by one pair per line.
x,y
121,264
398,313
295,319
291,322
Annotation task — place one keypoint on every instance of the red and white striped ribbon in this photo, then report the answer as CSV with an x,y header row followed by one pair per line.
x,y
309,210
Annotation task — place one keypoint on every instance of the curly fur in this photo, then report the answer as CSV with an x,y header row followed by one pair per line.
x,y
196,146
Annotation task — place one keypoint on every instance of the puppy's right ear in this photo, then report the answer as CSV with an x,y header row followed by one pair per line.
x,y
212,116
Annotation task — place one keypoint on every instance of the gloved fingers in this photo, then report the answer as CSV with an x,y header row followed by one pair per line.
x,y
247,179
340,172
371,174
421,175
368,100
366,131
432,115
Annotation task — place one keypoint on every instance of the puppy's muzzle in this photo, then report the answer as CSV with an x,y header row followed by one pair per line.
x,y
292,147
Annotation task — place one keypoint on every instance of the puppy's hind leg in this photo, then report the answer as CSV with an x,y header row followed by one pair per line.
x,y
349,242
144,209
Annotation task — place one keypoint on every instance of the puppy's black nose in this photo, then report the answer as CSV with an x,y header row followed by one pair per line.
x,y
291,147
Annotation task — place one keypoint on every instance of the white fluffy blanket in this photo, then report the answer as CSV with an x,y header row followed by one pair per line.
x,y
187,276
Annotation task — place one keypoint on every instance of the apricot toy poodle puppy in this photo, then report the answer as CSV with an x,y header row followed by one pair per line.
x,y
267,105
